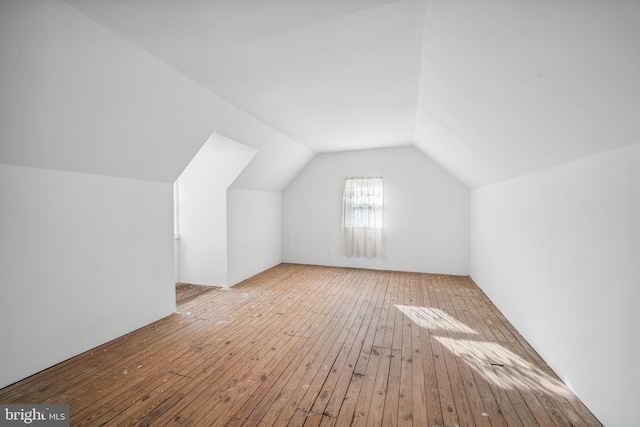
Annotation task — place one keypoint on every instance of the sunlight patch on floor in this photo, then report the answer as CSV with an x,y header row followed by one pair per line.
x,y
503,367
434,319
494,362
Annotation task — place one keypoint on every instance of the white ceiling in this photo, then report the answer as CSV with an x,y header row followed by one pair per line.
x,y
489,89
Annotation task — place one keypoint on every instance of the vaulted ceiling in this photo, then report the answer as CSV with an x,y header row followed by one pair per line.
x,y
489,89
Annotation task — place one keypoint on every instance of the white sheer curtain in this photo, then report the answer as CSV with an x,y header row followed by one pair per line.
x,y
362,217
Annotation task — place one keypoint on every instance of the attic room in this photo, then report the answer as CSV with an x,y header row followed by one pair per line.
x,y
507,134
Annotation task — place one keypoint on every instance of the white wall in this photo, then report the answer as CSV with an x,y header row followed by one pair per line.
x,y
254,232
202,210
558,252
426,212
85,256
84,259
76,97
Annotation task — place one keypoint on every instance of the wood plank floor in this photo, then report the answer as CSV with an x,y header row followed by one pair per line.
x,y
316,346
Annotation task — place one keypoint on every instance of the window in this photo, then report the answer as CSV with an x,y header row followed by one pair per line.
x,y
362,207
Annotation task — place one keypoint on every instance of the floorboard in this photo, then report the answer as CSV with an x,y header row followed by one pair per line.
x,y
315,346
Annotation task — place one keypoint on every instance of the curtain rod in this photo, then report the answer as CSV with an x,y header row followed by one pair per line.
x,y
363,177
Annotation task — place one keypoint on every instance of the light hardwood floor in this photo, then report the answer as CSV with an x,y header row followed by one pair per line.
x,y
316,346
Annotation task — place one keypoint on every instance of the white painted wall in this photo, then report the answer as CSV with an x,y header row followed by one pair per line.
x,y
202,210
254,232
83,259
426,212
76,97
558,252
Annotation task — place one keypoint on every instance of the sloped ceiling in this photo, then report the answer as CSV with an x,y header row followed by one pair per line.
x,y
77,97
332,75
512,87
490,89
